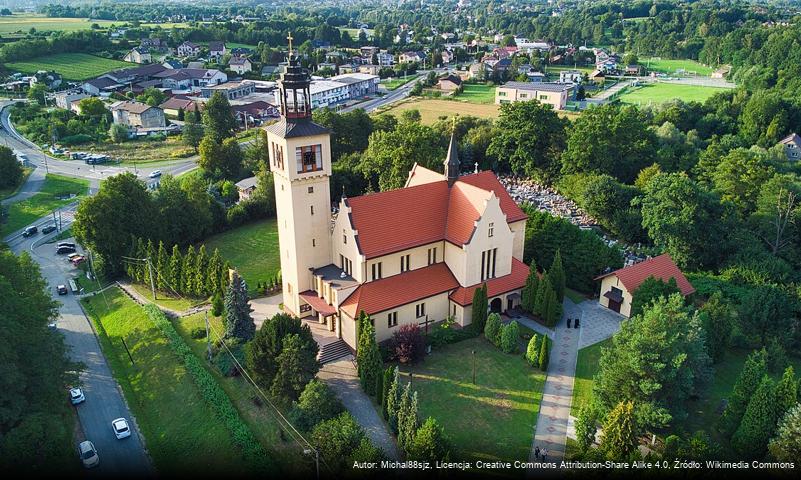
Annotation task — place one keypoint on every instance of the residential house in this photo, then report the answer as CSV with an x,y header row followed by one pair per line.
x,y
138,55
449,83
137,114
240,65
69,100
597,76
246,187
152,43
369,69
409,256
477,71
549,93
173,105
270,71
216,50
49,79
136,74
448,57
347,68
570,76
412,57
232,90
101,85
188,49
535,77
618,287
191,79
385,59
241,52
172,64
792,147
254,113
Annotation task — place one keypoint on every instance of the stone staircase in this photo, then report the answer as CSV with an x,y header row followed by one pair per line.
x,y
333,351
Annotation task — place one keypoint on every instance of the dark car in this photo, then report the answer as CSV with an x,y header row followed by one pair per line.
x,y
48,229
62,290
64,249
30,231
65,244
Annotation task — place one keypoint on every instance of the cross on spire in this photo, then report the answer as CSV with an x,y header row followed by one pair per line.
x,y
290,38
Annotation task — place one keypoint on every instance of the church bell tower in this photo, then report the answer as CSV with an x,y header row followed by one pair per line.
x,y
300,160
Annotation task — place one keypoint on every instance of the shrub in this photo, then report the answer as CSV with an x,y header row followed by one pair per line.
x,y
446,334
509,336
212,393
492,329
408,343
337,439
198,332
316,404
223,361
544,354
533,351
78,139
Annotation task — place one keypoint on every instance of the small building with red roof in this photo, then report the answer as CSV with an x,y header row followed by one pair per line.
x,y
618,287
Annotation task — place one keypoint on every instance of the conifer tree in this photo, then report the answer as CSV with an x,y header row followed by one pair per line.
x,y
533,351
430,442
176,267
141,253
479,312
586,427
163,268
393,401
539,300
529,293
201,263
407,417
750,377
509,335
217,305
411,423
759,421
786,392
387,384
291,377
492,330
786,445
213,272
379,386
131,266
557,276
543,359
188,272
238,322
368,358
619,439
151,254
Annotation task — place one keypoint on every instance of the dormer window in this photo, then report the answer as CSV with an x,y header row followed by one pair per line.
x,y
309,158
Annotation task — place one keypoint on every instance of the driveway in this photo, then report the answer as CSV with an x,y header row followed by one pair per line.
x,y
104,400
265,307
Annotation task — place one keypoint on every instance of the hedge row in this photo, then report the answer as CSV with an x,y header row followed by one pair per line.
x,y
252,449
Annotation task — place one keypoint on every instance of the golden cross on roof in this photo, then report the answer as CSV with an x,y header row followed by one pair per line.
x,y
289,37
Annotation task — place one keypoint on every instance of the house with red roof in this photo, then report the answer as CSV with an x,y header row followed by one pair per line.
x,y
618,287
413,255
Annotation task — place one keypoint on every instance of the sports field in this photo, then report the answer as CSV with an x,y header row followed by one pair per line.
x,y
675,67
72,66
24,22
662,92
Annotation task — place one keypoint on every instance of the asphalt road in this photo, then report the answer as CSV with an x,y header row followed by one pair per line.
x,y
393,96
104,399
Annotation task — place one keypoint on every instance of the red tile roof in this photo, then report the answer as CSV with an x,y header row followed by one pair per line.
x,y
317,303
397,290
661,267
423,214
495,286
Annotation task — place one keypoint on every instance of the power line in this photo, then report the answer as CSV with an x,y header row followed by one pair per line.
x,y
291,430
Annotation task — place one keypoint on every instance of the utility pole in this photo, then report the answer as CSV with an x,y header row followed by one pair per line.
x,y
152,283
60,224
208,337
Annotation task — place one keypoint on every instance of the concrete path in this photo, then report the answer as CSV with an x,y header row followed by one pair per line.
x,y
524,320
265,307
341,376
597,323
557,395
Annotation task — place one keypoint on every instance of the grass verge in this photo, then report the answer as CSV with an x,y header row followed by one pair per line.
x,y
43,202
586,368
11,191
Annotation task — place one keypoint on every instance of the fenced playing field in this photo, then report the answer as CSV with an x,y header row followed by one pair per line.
x,y
655,93
72,66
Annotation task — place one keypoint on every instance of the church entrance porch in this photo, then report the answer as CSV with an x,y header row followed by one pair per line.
x,y
496,305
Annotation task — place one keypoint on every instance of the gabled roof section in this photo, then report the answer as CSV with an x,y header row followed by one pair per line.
x,y
792,139
495,286
487,180
392,292
465,207
661,267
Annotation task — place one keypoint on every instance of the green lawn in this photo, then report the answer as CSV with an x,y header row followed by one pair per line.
x,y
164,300
586,368
477,93
252,249
494,419
23,22
43,202
574,296
662,92
394,83
259,418
674,67
180,429
9,191
72,66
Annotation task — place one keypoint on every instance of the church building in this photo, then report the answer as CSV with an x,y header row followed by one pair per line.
x,y
413,255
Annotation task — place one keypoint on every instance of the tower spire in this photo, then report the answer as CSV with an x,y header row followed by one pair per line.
x,y
452,160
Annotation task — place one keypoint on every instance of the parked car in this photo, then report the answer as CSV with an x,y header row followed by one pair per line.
x,y
65,244
72,255
88,454
76,396
30,231
78,260
120,427
48,229
64,250
52,326
62,290
155,174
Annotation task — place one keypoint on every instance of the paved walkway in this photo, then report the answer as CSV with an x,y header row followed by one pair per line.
x,y
597,323
524,320
341,376
557,395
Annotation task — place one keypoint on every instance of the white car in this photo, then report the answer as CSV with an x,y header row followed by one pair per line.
x,y
76,396
88,454
121,429
155,174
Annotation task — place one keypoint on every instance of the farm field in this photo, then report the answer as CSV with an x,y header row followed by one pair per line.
x,y
252,249
663,92
72,66
669,66
432,110
24,22
477,93
493,419
46,200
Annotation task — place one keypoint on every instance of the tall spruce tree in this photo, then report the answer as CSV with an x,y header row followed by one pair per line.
x,y
539,300
368,358
758,423
213,272
163,268
238,322
543,358
189,270
201,263
557,276
141,253
786,392
393,401
529,293
754,369
176,269
586,427
387,384
619,439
